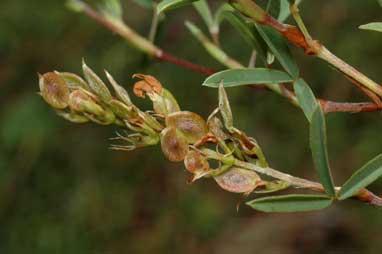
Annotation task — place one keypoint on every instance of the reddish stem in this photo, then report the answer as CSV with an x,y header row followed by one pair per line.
x,y
184,63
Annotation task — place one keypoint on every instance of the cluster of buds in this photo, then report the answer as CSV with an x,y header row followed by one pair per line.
x,y
184,136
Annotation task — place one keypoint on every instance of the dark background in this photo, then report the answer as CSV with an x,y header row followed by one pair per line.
x,y
63,191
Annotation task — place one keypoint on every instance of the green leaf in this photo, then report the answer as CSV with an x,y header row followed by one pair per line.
x,y
319,150
291,203
250,35
249,76
145,3
279,48
166,5
380,2
204,11
273,7
306,98
370,172
374,26
111,9
284,9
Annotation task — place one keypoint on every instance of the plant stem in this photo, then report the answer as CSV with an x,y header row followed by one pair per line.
x,y
150,49
140,42
296,37
363,195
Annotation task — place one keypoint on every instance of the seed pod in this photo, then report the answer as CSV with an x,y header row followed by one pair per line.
x,y
174,144
238,180
215,126
192,125
195,162
54,90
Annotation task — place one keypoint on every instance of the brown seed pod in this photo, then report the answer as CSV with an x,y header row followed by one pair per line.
x,y
192,125
54,90
195,162
174,144
215,126
238,180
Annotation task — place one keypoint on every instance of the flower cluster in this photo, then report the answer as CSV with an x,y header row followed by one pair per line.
x,y
184,135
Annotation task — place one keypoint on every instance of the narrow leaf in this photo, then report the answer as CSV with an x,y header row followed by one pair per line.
x,y
370,172
375,26
111,9
306,98
249,34
279,48
319,150
145,3
249,76
273,7
290,203
284,9
166,5
204,11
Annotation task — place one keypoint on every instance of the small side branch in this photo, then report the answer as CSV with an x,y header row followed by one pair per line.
x,y
142,43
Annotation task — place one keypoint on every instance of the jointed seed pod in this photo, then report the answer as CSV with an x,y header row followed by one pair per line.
x,y
238,180
174,144
192,125
54,90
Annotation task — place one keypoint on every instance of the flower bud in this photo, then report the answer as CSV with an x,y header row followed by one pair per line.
x,y
119,90
225,108
96,84
238,180
190,124
164,102
174,144
80,101
74,81
54,90
72,117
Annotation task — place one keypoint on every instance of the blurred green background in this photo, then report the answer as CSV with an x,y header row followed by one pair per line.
x,y
63,191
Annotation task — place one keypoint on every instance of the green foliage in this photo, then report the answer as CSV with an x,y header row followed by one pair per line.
x,y
204,11
166,5
277,45
249,76
318,146
364,176
145,3
250,35
306,98
374,26
290,203
63,191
